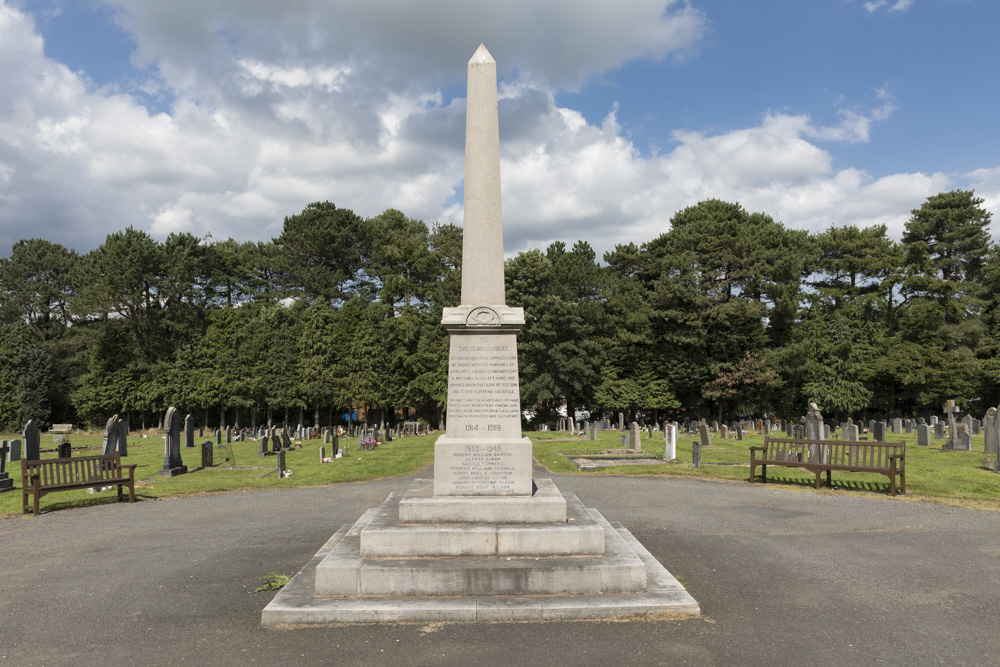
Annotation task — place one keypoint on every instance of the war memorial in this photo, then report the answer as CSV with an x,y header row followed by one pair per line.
x,y
482,540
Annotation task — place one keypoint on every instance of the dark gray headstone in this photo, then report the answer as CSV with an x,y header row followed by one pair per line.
x,y
923,434
14,454
65,450
32,441
189,431
262,446
172,464
281,464
207,454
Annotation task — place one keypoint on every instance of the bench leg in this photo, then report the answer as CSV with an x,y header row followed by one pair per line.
x,y
763,473
829,479
38,492
131,492
819,478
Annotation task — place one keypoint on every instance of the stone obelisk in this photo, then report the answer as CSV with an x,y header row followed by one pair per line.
x,y
482,452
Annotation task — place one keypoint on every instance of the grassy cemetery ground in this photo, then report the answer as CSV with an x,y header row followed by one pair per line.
x,y
244,469
931,474
950,477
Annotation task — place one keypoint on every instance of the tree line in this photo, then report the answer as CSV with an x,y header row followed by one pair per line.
x,y
728,313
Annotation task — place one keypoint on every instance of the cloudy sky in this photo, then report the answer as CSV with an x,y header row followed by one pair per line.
x,y
221,117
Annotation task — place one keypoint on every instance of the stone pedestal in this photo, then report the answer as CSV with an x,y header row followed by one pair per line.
x,y
543,557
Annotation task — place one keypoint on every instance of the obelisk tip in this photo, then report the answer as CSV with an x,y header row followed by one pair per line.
x,y
481,56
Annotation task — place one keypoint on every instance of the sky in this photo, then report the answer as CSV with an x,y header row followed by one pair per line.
x,y
221,117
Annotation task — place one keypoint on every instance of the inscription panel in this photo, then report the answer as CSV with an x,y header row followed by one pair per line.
x,y
477,468
484,400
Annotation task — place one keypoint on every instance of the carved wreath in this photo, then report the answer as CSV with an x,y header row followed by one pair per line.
x,y
482,316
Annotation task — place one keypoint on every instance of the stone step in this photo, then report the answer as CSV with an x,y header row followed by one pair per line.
x,y
6,483
545,505
384,537
297,604
343,571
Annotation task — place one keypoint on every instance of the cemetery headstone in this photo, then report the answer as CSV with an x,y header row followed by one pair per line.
x,y
633,437
322,453
670,434
6,483
992,433
109,442
814,423
897,425
923,434
939,430
123,437
65,450
217,434
207,454
963,438
189,431
696,450
621,421
879,432
14,453
950,408
281,464
172,464
724,432
32,441
706,437
262,446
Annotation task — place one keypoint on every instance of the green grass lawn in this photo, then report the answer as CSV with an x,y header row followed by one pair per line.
x,y
244,470
931,474
949,477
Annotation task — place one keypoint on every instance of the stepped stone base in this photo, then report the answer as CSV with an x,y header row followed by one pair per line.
x,y
387,537
6,483
383,570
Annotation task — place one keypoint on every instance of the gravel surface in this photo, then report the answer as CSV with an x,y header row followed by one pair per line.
x,y
783,578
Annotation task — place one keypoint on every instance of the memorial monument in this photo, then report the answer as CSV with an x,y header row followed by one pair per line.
x,y
482,541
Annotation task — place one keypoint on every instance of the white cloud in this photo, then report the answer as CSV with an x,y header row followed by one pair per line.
x,y
897,6
276,105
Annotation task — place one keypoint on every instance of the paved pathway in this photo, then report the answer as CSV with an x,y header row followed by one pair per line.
x,y
783,578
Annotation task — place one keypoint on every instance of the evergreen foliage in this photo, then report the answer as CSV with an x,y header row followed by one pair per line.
x,y
728,313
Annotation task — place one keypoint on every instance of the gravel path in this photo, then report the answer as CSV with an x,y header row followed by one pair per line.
x,y
782,578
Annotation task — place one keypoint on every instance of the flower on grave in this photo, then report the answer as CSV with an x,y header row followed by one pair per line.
x,y
328,460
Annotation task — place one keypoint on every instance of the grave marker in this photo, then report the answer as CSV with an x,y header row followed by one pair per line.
x,y
172,464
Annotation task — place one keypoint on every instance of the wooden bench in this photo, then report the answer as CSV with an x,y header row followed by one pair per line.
x,y
819,456
82,472
61,428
